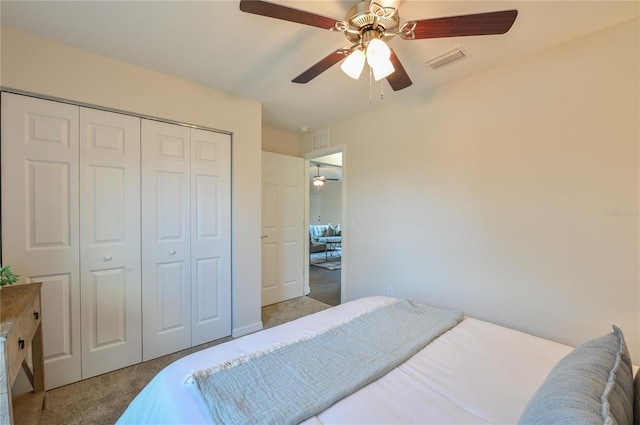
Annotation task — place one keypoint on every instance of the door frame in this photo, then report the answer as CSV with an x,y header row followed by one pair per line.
x,y
308,157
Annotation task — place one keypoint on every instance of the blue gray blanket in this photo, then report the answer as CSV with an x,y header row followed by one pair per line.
x,y
301,379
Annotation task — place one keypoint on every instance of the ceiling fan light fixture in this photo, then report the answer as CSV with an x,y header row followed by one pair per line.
x,y
354,64
377,52
370,23
382,70
318,180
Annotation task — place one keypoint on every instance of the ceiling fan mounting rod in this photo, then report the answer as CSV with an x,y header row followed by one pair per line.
x,y
369,34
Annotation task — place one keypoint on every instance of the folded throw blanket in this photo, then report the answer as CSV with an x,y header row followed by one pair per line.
x,y
298,380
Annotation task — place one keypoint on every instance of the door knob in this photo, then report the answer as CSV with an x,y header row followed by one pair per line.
x,y
172,252
264,236
108,258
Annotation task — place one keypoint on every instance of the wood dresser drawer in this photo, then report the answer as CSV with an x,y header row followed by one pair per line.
x,y
21,332
19,339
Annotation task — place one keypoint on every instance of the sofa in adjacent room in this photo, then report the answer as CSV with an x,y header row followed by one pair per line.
x,y
327,234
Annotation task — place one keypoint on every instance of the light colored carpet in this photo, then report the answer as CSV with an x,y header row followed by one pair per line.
x,y
286,311
101,400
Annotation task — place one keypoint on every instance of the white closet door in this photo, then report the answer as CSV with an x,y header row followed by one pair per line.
x,y
210,236
40,220
283,233
110,241
166,290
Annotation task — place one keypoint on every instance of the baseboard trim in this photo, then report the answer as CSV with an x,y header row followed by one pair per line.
x,y
245,330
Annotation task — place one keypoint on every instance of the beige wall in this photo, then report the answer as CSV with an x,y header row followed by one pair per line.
x,y
512,194
0,63
282,142
36,65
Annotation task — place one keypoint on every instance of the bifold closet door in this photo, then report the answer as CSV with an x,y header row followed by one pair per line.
x,y
166,271
110,241
186,234
40,215
210,235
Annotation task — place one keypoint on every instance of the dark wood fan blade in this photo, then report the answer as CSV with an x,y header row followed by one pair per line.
x,y
399,79
320,67
272,10
459,26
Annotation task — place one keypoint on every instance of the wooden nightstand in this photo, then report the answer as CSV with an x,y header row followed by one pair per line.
x,y
21,328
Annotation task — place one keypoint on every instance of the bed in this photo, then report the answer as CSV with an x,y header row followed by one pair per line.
x,y
473,373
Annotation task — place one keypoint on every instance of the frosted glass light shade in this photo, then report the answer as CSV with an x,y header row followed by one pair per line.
x,y
382,69
353,64
377,52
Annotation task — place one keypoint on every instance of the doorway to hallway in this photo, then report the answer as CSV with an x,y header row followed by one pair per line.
x,y
324,216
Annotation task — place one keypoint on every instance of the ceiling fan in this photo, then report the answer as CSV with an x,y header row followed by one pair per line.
x,y
368,25
319,180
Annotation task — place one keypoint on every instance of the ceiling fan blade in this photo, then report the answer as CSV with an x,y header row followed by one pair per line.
x,y
459,26
399,79
272,10
320,67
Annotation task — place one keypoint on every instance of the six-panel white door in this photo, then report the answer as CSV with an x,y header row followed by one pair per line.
x,y
110,241
72,194
282,227
166,271
210,236
40,216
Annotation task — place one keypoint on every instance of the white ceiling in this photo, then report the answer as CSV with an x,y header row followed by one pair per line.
x,y
214,44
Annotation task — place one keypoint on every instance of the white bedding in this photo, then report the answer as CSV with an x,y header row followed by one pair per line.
x,y
476,373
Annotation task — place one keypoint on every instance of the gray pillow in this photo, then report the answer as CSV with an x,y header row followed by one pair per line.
x,y
593,384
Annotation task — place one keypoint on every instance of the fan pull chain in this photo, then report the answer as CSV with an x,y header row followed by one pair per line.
x,y
370,85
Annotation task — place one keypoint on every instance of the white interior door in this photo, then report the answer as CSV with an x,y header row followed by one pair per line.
x,y
210,236
110,241
315,208
282,227
166,270
40,235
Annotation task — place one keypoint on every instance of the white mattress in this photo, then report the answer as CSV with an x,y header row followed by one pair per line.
x,y
476,373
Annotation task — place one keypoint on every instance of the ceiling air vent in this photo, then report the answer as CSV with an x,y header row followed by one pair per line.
x,y
320,140
453,55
